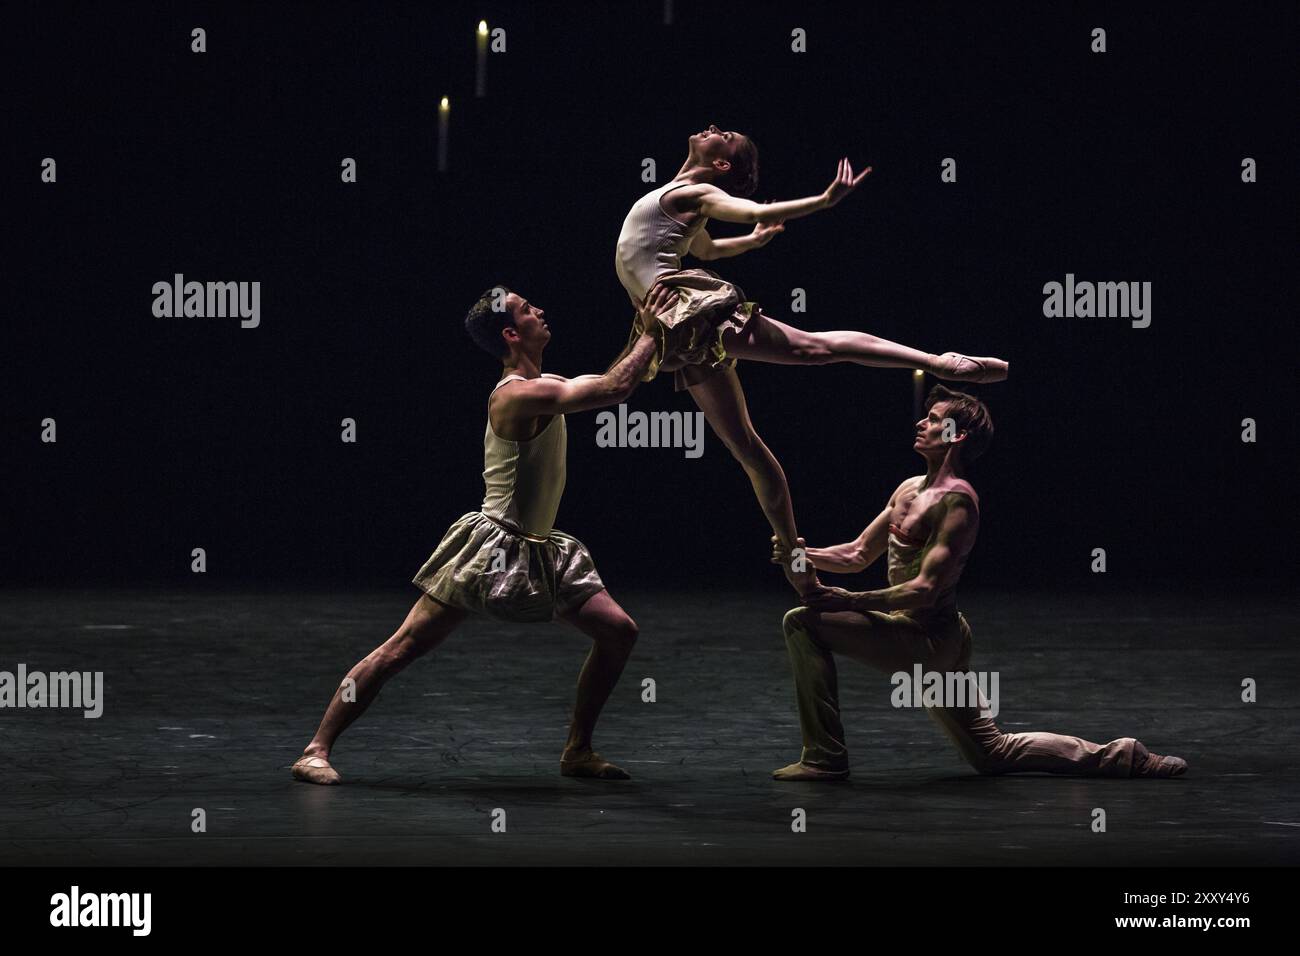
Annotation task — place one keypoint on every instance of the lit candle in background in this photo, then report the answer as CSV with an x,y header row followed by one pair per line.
x,y
444,115
480,78
668,13
918,393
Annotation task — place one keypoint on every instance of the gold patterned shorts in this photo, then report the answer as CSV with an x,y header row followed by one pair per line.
x,y
486,568
690,335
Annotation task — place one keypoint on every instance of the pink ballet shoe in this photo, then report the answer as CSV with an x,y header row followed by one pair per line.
x,y
802,772
955,367
316,769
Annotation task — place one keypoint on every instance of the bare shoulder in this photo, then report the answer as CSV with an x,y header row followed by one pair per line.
x,y
958,510
697,190
686,199
507,399
907,485
961,488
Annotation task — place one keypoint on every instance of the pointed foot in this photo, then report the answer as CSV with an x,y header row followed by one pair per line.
x,y
955,367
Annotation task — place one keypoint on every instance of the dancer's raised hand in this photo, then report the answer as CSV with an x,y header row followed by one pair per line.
x,y
844,182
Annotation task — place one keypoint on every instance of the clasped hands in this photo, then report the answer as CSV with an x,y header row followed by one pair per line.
x,y
825,599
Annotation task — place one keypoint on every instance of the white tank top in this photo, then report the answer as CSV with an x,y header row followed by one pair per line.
x,y
524,480
651,243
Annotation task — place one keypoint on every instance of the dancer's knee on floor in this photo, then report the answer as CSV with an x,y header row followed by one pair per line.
x,y
985,766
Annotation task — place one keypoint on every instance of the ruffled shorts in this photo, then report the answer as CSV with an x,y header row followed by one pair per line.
x,y
485,568
690,336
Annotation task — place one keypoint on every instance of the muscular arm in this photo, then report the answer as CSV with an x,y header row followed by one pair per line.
x,y
552,396
858,554
863,551
945,555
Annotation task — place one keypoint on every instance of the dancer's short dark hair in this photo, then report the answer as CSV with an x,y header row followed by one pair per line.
x,y
970,416
484,324
742,178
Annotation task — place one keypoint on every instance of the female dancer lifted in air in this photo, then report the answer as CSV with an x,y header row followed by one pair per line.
x,y
713,325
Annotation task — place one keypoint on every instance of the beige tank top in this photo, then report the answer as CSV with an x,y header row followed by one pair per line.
x,y
524,480
651,242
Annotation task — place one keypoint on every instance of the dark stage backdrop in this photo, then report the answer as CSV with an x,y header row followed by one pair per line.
x,y
174,433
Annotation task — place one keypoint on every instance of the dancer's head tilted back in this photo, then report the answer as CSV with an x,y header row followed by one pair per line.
x,y
506,325
965,439
732,158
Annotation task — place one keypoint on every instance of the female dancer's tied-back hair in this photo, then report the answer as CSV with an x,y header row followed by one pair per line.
x,y
742,179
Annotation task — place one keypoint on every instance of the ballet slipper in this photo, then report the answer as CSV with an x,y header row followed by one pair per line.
x,y
955,367
593,766
313,768
1158,766
801,771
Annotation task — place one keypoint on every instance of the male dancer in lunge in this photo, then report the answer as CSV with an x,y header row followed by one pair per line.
x,y
508,561
928,529
711,325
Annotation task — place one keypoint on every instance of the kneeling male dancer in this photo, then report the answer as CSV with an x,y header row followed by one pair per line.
x,y
928,529
508,561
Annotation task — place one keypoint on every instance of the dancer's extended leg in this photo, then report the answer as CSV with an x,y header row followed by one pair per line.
x,y
722,400
990,751
895,642
613,634
426,626
764,339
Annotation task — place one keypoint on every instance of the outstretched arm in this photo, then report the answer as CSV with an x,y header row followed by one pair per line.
x,y
704,246
553,396
856,555
945,555
717,204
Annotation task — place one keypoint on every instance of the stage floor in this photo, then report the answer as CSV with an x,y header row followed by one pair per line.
x,y
210,697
